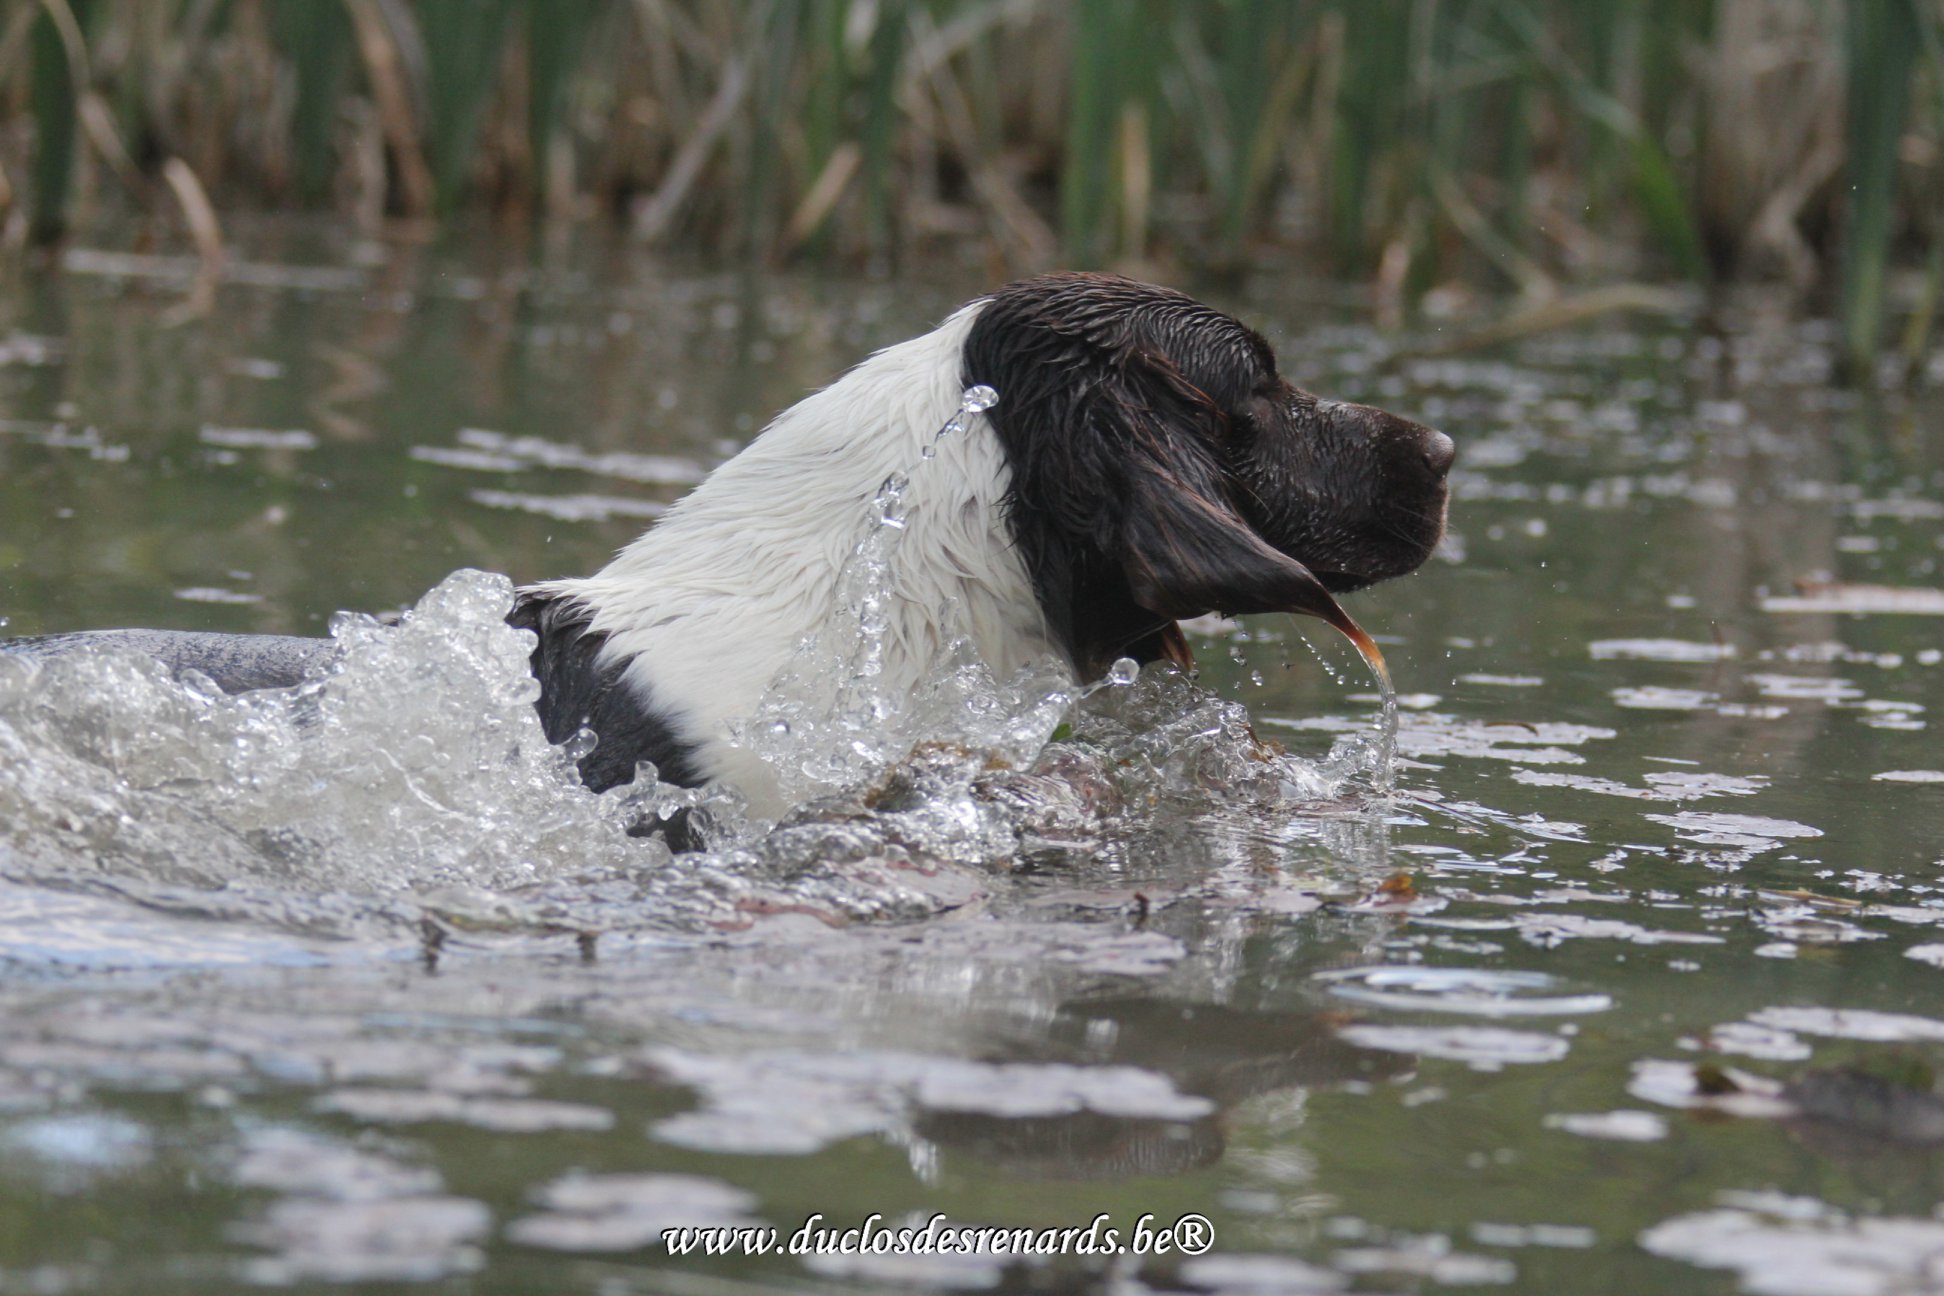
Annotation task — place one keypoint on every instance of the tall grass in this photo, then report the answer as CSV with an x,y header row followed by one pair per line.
x,y
1518,144
58,52
315,43
1883,47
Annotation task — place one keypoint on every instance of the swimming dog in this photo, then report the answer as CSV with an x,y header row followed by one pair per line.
x,y
1146,463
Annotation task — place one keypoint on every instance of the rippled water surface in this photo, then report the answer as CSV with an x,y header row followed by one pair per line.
x,y
1632,985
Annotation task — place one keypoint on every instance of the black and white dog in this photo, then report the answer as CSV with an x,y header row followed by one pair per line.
x,y
1145,463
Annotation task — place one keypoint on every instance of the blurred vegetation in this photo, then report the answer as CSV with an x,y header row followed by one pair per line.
x,y
1418,145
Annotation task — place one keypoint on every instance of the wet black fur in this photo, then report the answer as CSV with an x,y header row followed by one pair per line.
x,y
577,691
1162,469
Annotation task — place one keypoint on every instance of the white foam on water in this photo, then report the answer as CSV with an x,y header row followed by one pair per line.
x,y
1799,1246
1755,1040
793,1102
1429,735
1479,992
1654,697
1909,776
1852,1024
1659,650
1676,1084
1860,600
258,438
627,1212
1625,1125
1482,1048
569,508
1746,832
1806,688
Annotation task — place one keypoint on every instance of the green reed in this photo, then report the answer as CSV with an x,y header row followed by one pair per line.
x,y
315,41
1883,44
557,37
1525,144
462,42
53,104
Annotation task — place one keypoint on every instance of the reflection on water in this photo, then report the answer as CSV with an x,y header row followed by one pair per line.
x,y
1632,977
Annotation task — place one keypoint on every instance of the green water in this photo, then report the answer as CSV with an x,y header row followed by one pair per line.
x,y
1641,752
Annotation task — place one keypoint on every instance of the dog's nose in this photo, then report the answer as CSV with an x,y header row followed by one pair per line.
x,y
1439,451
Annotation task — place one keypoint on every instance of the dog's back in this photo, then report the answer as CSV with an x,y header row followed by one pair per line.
x,y
576,690
238,663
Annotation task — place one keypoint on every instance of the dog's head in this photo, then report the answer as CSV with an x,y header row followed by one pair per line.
x,y
1162,468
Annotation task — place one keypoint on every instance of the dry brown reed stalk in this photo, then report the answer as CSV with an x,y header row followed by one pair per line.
x,y
1029,241
821,199
378,46
207,232
1771,131
653,218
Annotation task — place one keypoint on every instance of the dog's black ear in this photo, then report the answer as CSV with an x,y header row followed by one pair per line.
x,y
1182,541
1121,500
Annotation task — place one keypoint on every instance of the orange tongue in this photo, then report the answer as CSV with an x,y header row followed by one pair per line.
x,y
1365,644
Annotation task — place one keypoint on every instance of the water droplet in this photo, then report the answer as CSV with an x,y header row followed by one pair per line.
x,y
978,398
1123,672
929,452
888,505
1329,668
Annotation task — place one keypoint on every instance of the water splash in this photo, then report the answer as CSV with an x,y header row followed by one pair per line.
x,y
975,399
411,761
816,740
964,764
1383,776
408,780
1122,673
1375,753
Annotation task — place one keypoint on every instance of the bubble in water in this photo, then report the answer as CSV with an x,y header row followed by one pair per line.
x,y
1123,672
978,398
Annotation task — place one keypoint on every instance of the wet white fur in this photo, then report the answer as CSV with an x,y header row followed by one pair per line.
x,y
710,604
